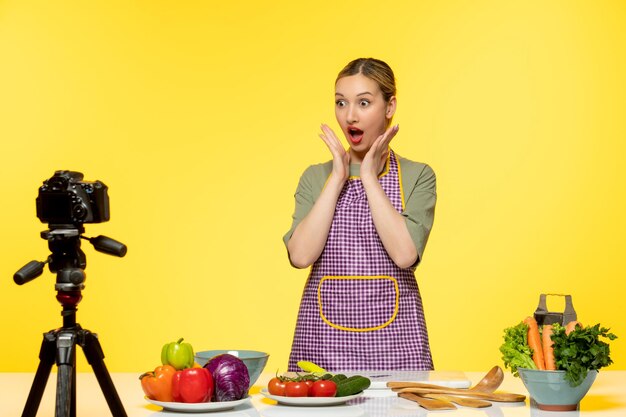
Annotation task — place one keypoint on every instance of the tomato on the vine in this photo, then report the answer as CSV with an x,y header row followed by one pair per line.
x,y
322,388
309,384
296,389
276,386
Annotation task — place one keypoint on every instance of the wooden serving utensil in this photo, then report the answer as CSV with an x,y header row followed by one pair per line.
x,y
465,402
489,383
493,396
428,403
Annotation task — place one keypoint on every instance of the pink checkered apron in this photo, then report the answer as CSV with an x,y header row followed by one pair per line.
x,y
359,311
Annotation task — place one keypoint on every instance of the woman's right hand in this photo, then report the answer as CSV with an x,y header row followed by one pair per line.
x,y
341,158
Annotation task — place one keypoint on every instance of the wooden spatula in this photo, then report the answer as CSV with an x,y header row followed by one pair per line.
x,y
428,403
465,402
495,396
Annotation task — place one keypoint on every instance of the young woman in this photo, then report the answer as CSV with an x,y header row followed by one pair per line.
x,y
362,221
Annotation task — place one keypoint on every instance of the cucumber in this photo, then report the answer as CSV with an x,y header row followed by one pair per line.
x,y
337,378
350,379
352,385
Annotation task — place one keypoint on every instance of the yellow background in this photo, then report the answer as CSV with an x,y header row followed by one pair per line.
x,y
201,116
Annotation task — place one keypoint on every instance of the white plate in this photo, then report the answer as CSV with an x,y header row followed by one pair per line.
x,y
198,407
309,401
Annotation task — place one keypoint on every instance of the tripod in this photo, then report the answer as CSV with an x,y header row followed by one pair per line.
x,y
59,345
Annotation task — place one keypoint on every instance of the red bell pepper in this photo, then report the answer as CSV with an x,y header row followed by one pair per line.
x,y
193,385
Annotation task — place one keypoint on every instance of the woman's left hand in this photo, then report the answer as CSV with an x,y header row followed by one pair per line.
x,y
376,157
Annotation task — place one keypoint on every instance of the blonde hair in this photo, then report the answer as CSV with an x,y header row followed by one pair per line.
x,y
374,69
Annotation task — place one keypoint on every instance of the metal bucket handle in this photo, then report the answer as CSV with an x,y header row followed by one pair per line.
x,y
543,316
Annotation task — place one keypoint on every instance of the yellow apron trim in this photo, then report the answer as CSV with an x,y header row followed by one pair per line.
x,y
355,329
400,181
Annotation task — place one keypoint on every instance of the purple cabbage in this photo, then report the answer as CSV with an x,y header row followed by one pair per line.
x,y
230,376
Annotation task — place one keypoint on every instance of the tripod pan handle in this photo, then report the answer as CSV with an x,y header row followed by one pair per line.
x,y
29,272
109,246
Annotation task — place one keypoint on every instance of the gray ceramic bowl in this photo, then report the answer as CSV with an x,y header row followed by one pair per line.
x,y
552,392
255,361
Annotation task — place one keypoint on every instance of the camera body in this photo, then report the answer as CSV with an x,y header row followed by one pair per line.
x,y
65,199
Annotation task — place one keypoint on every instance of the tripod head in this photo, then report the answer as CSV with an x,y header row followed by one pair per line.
x,y
66,202
67,260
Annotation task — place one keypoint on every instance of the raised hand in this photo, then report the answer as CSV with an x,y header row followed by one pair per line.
x,y
375,159
341,158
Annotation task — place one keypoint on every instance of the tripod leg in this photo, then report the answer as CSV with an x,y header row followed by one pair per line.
x,y
46,360
93,353
66,385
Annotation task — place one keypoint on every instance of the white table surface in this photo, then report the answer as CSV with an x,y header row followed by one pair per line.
x,y
606,398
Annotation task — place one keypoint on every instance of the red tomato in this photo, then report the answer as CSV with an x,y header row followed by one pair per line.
x,y
296,389
323,388
309,384
276,387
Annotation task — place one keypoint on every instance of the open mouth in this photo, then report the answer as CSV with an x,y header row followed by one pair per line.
x,y
355,134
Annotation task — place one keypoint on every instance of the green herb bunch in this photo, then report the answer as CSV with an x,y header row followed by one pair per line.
x,y
515,350
581,351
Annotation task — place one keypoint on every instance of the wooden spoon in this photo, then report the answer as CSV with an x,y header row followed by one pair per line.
x,y
490,382
465,402
492,396
428,403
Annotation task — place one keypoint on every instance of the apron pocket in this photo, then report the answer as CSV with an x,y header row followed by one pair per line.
x,y
358,303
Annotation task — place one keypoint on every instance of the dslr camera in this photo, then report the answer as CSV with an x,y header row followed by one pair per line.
x,y
65,199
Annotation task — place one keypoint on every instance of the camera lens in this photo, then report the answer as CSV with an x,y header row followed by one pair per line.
x,y
79,212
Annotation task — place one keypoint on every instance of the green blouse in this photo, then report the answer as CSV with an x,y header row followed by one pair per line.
x,y
419,190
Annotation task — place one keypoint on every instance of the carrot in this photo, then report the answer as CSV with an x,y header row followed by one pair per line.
x,y
534,341
571,326
548,348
